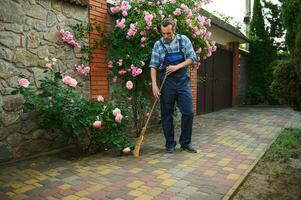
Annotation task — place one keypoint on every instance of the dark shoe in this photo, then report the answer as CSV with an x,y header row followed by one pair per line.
x,y
189,149
170,149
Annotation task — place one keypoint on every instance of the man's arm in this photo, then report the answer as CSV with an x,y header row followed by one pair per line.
x,y
155,88
172,68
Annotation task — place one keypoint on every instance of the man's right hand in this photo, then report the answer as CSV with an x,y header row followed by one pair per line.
x,y
156,90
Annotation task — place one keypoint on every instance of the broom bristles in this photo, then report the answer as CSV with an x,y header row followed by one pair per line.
x,y
138,143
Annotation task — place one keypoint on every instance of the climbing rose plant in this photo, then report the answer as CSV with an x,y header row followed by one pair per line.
x,y
132,39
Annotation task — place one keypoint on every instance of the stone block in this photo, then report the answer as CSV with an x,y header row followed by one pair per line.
x,y
25,57
6,53
43,52
37,12
38,75
5,154
8,10
3,133
50,19
33,40
10,40
7,70
52,35
9,118
39,25
12,102
44,3
16,28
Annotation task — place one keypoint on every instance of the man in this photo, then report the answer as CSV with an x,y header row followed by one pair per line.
x,y
172,54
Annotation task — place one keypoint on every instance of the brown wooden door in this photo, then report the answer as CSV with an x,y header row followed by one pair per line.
x,y
216,92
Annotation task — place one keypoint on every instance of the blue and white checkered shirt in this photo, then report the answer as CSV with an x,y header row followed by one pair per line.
x,y
158,52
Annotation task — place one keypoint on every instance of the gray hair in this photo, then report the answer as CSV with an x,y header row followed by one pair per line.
x,y
169,21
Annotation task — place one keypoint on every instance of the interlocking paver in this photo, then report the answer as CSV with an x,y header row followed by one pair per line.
x,y
228,142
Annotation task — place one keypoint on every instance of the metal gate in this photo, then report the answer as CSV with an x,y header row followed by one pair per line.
x,y
215,92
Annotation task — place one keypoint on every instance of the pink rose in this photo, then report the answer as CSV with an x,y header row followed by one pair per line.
x,y
114,79
70,81
97,124
110,64
100,98
116,111
24,82
118,117
129,85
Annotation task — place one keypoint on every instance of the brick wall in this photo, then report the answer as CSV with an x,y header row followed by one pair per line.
x,y
194,88
235,48
99,84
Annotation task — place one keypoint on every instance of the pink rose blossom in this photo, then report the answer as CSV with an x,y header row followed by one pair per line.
x,y
177,12
70,81
129,85
97,124
120,23
114,79
142,63
100,98
173,1
118,117
142,39
116,111
115,10
24,82
119,62
110,64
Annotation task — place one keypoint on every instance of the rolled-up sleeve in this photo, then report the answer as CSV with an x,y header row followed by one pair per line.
x,y
189,51
155,58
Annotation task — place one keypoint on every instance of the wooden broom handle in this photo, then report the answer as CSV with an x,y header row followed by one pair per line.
x,y
154,105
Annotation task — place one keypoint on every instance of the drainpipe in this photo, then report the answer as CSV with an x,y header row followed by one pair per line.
x,y
247,19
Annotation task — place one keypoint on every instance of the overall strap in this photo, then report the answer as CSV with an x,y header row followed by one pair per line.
x,y
164,47
180,43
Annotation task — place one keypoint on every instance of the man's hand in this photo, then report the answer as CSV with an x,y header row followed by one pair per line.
x,y
171,68
156,90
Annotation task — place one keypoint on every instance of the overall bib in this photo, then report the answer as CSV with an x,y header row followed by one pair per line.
x,y
176,89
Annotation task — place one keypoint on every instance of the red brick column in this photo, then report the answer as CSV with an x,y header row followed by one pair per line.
x,y
99,84
194,88
234,47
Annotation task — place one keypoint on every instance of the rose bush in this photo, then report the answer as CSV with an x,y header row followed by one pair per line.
x,y
131,41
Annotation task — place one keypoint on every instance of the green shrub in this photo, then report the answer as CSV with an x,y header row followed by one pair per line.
x,y
287,83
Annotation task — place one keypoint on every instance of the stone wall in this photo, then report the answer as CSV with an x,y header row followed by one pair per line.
x,y
28,34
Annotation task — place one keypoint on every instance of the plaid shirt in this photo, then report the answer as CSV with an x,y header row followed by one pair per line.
x,y
158,52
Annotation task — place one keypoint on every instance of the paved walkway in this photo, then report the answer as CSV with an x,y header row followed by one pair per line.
x,y
229,142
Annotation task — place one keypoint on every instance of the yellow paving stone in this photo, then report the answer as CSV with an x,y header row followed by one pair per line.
x,y
82,193
164,176
135,170
16,184
105,171
169,182
243,166
24,189
10,194
65,186
31,181
52,198
155,161
135,184
228,169
118,199
52,174
37,184
181,166
84,198
144,197
188,162
42,177
135,193
20,197
70,197
226,159
95,188
155,191
211,155
210,172
159,171
144,188
233,176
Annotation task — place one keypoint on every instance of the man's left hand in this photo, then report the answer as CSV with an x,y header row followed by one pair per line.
x,y
172,68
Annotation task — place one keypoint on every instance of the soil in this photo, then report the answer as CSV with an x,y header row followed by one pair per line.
x,y
272,181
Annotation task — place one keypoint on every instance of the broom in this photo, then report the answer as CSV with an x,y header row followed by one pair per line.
x,y
140,138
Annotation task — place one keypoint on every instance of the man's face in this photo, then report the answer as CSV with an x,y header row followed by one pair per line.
x,y
167,33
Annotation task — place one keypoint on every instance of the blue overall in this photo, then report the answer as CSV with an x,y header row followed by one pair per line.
x,y
176,89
